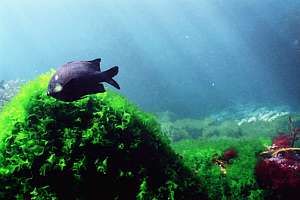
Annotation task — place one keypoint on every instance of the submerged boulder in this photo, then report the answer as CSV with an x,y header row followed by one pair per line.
x,y
101,146
8,89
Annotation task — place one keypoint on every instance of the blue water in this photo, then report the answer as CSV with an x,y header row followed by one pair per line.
x,y
191,57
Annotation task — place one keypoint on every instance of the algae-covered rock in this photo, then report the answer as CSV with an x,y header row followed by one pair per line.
x,y
9,89
100,147
239,181
208,127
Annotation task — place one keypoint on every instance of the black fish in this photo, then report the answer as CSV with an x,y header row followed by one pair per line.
x,y
76,79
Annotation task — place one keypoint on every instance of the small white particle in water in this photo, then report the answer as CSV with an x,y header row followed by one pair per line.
x,y
56,77
186,36
213,84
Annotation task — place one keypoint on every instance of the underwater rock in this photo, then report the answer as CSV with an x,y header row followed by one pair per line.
x,y
243,114
263,114
8,90
184,128
99,147
208,127
166,116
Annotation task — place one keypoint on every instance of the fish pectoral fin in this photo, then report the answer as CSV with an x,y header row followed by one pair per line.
x,y
94,88
98,89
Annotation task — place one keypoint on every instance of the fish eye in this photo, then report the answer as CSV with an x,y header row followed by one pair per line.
x,y
58,87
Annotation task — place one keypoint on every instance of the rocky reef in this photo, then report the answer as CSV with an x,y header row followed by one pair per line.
x,y
99,147
9,89
243,123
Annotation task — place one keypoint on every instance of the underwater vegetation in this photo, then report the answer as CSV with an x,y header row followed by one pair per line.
x,y
237,166
225,159
105,146
279,170
101,146
208,127
239,181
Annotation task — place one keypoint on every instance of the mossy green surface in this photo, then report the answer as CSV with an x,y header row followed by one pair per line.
x,y
201,140
208,128
99,147
239,182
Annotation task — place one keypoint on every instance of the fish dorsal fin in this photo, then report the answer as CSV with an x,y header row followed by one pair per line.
x,y
96,64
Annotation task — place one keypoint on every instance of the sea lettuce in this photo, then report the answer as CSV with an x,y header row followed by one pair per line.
x,y
101,146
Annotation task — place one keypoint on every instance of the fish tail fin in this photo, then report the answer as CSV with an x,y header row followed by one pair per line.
x,y
109,74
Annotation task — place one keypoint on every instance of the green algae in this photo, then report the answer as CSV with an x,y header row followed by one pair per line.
x,y
208,127
101,146
239,182
15,111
